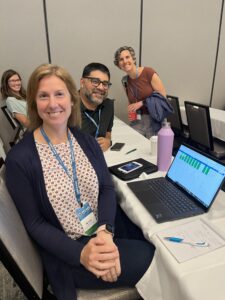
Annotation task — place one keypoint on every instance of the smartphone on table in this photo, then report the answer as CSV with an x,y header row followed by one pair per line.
x,y
117,146
130,167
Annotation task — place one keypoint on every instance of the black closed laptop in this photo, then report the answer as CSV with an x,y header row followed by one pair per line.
x,y
188,189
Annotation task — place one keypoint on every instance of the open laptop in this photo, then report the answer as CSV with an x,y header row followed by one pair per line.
x,y
188,189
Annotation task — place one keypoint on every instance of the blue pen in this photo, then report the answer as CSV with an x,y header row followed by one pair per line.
x,y
181,240
173,239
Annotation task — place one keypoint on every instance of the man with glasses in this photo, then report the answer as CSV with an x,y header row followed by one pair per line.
x,y
96,109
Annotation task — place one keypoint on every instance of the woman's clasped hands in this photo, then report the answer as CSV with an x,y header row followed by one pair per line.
x,y
101,257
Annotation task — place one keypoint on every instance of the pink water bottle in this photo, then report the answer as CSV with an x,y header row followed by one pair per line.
x,y
165,147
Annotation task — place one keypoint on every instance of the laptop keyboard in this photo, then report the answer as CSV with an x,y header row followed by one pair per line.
x,y
175,201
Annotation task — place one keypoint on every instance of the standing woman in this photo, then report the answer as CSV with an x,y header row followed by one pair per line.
x,y
60,183
139,84
15,96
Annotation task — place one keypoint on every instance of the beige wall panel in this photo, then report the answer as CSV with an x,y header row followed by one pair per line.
x,y
218,100
85,31
22,43
179,41
23,40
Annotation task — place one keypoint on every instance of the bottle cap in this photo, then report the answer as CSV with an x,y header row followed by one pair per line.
x,y
166,123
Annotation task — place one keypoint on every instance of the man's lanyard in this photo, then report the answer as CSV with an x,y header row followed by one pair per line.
x,y
72,154
93,121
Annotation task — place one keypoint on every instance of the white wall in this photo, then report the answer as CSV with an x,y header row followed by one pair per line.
x,y
22,45
180,40
218,99
22,36
85,31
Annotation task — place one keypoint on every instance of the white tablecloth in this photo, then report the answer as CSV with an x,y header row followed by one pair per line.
x,y
166,279
217,117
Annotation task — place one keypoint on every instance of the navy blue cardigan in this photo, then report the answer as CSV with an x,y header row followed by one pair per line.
x,y
25,182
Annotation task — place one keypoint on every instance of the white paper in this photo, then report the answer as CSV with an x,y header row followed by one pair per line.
x,y
194,231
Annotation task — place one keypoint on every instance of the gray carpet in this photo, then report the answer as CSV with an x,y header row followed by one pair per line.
x,y
8,288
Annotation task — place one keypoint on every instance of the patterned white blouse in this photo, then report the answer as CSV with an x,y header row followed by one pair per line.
x,y
59,186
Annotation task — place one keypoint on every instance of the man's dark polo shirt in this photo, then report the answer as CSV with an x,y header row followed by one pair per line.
x,y
106,118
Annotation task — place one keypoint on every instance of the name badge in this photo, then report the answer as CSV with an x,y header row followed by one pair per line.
x,y
87,219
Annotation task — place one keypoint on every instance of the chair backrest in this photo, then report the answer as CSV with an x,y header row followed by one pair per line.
x,y
199,123
14,124
2,150
1,166
17,252
175,118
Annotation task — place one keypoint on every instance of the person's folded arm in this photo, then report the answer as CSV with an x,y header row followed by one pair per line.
x,y
22,119
105,142
107,195
157,85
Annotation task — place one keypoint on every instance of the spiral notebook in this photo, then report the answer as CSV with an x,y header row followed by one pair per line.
x,y
192,232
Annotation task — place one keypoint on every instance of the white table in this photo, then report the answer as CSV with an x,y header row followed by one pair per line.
x,y
217,117
166,279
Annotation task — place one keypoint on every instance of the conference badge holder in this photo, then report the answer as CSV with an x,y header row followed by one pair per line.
x,y
87,219
146,167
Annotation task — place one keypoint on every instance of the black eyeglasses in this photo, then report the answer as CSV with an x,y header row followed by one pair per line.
x,y
96,82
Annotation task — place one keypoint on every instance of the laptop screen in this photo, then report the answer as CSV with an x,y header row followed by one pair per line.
x,y
199,175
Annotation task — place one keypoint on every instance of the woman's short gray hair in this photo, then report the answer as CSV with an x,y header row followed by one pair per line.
x,y
118,52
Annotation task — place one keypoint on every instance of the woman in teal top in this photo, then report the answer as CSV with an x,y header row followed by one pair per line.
x,y
15,96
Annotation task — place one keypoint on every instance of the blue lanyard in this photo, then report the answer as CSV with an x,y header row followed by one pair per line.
x,y
135,93
72,154
93,121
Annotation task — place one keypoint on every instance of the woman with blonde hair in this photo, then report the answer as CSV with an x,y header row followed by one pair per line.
x,y
60,183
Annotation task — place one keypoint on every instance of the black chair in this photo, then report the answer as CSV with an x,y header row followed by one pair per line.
x,y
181,133
175,118
14,124
2,162
199,124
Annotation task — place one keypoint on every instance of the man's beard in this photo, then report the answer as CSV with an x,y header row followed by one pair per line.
x,y
96,101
